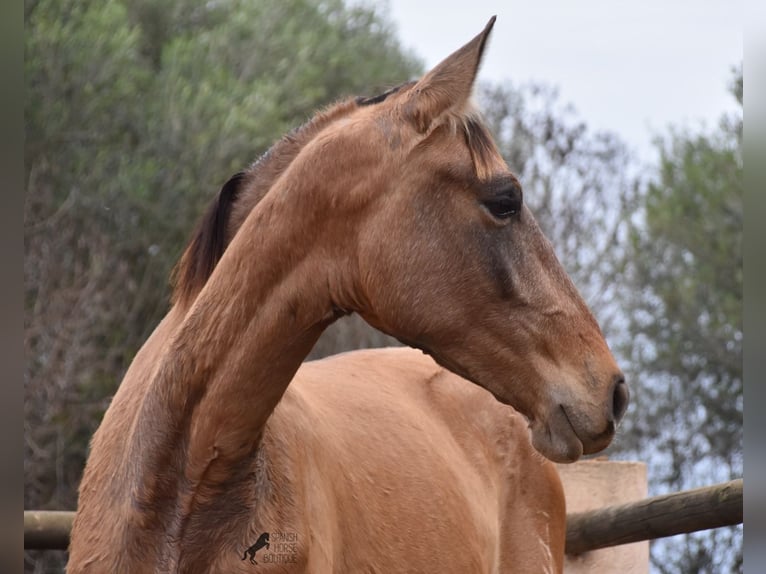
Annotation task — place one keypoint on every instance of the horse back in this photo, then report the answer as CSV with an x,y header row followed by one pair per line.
x,y
383,457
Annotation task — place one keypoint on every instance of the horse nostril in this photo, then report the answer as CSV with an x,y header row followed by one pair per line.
x,y
620,398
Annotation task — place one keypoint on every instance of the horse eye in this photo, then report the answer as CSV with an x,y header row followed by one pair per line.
x,y
503,207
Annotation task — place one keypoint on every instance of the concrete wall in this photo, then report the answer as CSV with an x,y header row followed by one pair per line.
x,y
596,483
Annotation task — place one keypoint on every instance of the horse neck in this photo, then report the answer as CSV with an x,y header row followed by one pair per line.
x,y
228,364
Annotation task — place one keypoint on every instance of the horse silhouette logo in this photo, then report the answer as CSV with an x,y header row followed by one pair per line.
x,y
263,541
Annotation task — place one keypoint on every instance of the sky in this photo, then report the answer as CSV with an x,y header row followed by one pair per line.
x,y
633,68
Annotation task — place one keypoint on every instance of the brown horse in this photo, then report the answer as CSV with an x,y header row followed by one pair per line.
x,y
399,208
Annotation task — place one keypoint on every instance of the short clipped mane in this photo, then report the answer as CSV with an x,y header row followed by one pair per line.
x,y
238,196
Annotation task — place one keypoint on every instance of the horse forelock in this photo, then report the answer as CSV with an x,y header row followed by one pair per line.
x,y
469,123
484,153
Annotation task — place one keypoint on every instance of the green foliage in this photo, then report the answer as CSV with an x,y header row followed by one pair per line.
x,y
684,306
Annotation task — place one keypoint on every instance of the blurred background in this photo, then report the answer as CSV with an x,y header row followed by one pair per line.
x,y
623,122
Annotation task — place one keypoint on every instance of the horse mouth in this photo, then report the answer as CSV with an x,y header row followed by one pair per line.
x,y
557,439
589,443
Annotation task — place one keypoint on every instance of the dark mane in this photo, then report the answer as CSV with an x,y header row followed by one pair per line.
x,y
208,242
238,196
371,101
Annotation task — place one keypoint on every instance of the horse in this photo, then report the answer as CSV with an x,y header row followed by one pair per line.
x,y
436,456
262,542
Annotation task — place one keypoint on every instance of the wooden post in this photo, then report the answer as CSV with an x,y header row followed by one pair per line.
x,y
594,484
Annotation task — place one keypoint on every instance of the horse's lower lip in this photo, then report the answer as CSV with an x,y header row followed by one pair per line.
x,y
575,451
556,438
569,422
595,443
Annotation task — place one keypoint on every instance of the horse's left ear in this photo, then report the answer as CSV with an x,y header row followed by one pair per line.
x,y
448,86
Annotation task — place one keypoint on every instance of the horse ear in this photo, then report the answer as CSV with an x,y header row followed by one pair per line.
x,y
448,86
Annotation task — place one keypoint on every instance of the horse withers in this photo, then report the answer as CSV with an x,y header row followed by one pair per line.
x,y
399,208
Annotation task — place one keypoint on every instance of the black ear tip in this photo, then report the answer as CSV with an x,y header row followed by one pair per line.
x,y
482,38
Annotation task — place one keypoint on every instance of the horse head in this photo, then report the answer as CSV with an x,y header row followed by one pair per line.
x,y
451,260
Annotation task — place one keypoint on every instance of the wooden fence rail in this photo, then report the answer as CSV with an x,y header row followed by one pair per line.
x,y
47,529
656,517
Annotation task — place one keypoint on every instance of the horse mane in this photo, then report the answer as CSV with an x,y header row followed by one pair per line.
x,y
242,192
208,243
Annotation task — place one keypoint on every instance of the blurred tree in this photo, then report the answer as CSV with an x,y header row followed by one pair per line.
x,y
136,112
683,302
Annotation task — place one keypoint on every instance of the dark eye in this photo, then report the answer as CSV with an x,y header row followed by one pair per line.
x,y
503,207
